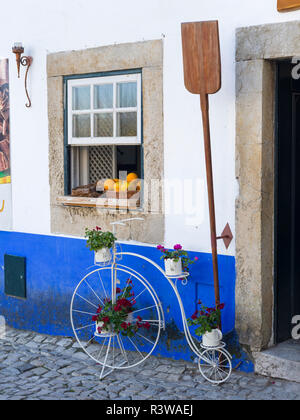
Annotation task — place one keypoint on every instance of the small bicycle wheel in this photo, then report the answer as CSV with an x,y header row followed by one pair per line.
x,y
110,348
215,366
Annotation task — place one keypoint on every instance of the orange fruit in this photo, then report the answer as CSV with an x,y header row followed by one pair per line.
x,y
131,177
133,185
109,185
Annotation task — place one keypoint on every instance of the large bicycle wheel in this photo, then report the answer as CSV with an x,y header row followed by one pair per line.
x,y
215,366
113,349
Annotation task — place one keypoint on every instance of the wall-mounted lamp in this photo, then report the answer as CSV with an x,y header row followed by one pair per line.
x,y
18,49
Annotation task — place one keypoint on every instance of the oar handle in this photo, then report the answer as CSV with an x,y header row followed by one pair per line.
x,y
210,188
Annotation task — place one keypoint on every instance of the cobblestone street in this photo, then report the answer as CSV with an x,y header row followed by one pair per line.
x,y
34,366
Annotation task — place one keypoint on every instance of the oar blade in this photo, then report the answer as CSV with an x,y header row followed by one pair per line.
x,y
201,57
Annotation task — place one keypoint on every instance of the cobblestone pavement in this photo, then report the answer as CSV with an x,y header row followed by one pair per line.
x,y
38,367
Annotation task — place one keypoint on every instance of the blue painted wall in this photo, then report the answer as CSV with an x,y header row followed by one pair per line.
x,y
55,265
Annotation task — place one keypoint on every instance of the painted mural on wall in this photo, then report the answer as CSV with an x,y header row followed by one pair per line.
x,y
4,124
5,179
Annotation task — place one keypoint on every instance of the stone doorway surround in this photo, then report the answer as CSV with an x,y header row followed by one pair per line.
x,y
257,48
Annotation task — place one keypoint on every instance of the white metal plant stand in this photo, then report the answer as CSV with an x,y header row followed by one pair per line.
x,y
114,351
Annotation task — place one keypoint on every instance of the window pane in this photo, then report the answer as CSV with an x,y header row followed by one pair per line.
x,y
81,98
103,125
103,96
126,95
127,124
82,125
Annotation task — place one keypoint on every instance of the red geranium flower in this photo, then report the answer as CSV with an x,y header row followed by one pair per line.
x,y
95,318
222,306
105,319
146,325
124,303
99,330
118,290
124,325
139,318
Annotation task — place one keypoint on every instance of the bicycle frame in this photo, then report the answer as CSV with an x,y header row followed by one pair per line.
x,y
187,333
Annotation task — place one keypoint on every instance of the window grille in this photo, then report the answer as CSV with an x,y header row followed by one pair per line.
x,y
101,162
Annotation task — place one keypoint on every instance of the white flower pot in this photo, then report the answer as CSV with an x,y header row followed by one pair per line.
x,y
173,268
212,339
102,256
106,333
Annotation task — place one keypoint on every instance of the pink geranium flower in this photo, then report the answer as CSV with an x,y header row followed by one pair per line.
x,y
178,247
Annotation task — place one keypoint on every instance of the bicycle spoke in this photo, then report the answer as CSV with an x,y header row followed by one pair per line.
x,y
145,338
151,321
220,376
82,312
135,347
83,328
119,339
210,372
94,292
144,309
89,342
104,290
87,301
136,298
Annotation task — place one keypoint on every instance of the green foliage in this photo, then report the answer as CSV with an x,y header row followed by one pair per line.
x,y
96,239
206,319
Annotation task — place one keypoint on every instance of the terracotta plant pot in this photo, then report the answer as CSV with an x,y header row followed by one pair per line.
x,y
212,339
102,256
173,268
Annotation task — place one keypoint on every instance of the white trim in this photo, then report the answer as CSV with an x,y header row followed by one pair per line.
x,y
96,81
106,141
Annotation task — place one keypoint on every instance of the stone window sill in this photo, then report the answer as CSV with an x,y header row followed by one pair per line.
x,y
101,203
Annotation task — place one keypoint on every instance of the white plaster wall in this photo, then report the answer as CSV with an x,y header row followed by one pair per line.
x,y
76,24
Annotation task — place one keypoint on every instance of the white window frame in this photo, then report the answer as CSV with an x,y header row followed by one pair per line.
x,y
105,141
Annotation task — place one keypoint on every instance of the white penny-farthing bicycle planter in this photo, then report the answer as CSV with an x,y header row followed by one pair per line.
x,y
111,349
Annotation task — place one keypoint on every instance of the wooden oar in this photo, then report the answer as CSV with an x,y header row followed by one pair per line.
x,y
202,75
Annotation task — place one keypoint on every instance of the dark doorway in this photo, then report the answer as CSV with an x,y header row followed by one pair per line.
x,y
287,192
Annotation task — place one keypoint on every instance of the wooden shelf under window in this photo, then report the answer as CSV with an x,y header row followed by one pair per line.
x,y
102,203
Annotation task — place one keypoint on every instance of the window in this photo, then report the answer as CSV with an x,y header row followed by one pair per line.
x,y
104,111
104,129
